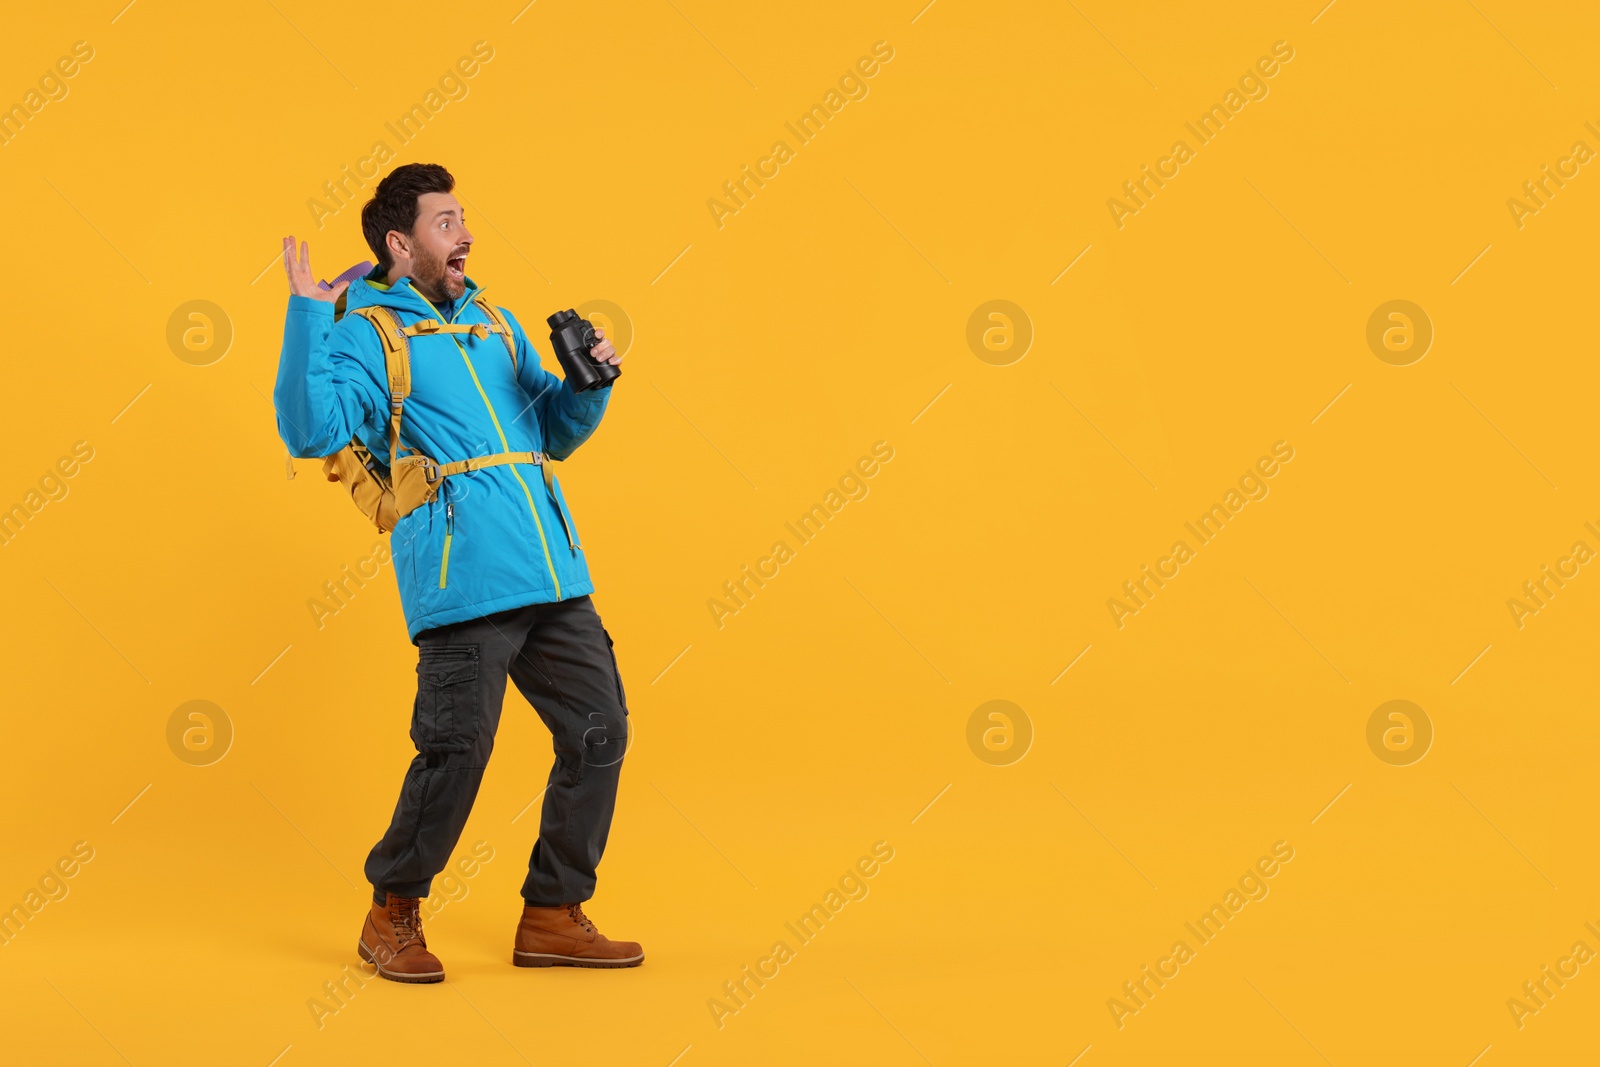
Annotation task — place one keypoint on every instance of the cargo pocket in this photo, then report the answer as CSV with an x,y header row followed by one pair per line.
x,y
445,718
622,697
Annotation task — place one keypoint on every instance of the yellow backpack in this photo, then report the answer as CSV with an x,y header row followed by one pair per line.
x,y
411,480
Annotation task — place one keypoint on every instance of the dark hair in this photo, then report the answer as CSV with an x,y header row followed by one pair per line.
x,y
394,205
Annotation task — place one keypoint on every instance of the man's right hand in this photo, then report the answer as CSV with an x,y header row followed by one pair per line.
x,y
301,282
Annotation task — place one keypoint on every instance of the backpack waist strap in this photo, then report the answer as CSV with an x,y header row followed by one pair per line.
x,y
477,463
437,472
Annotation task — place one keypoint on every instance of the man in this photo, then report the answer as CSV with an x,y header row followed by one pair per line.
x,y
492,578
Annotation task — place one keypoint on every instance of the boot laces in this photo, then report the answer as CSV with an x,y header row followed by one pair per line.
x,y
404,913
576,912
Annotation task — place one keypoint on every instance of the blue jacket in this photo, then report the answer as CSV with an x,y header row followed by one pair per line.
x,y
492,539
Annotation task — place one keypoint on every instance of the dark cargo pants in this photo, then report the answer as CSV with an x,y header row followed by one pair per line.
x,y
560,657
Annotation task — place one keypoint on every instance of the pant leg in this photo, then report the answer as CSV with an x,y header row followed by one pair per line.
x,y
461,686
569,674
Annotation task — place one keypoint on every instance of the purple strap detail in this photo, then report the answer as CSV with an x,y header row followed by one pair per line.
x,y
358,271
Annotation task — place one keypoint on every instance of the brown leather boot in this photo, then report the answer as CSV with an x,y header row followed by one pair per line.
x,y
392,941
564,937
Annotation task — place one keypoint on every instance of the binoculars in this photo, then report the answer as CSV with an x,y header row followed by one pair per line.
x,y
571,338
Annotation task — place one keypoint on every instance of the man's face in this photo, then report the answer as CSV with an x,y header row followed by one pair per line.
x,y
440,242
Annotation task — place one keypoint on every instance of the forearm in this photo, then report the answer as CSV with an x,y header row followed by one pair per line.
x,y
313,419
570,418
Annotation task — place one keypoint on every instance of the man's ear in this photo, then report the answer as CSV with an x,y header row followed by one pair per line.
x,y
399,245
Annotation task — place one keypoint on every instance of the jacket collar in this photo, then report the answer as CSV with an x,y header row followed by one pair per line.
x,y
403,296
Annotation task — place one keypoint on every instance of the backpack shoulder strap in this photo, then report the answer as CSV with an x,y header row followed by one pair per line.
x,y
505,328
397,366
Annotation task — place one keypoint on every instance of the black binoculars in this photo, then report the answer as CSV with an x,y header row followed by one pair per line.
x,y
571,338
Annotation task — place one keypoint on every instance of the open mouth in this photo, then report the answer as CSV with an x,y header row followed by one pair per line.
x,y
456,267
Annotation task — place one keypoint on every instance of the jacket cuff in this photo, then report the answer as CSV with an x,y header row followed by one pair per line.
x,y
310,304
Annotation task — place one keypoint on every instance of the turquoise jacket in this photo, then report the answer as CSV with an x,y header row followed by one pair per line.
x,y
493,539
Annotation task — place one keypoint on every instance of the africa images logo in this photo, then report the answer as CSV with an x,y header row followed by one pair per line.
x,y
1208,127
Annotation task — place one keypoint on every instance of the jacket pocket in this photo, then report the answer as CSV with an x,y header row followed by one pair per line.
x,y
449,534
445,717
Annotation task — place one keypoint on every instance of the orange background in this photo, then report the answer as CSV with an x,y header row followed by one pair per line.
x,y
829,313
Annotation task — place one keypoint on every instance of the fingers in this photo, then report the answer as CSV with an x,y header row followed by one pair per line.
x,y
604,351
292,268
298,268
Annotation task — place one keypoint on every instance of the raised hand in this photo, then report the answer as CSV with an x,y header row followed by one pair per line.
x,y
301,280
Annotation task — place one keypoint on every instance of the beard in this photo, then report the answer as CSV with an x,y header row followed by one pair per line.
x,y
428,273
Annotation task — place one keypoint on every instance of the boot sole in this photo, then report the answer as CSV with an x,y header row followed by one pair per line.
x,y
550,959
395,976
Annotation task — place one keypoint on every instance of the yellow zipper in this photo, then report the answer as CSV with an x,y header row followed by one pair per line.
x,y
449,528
505,446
